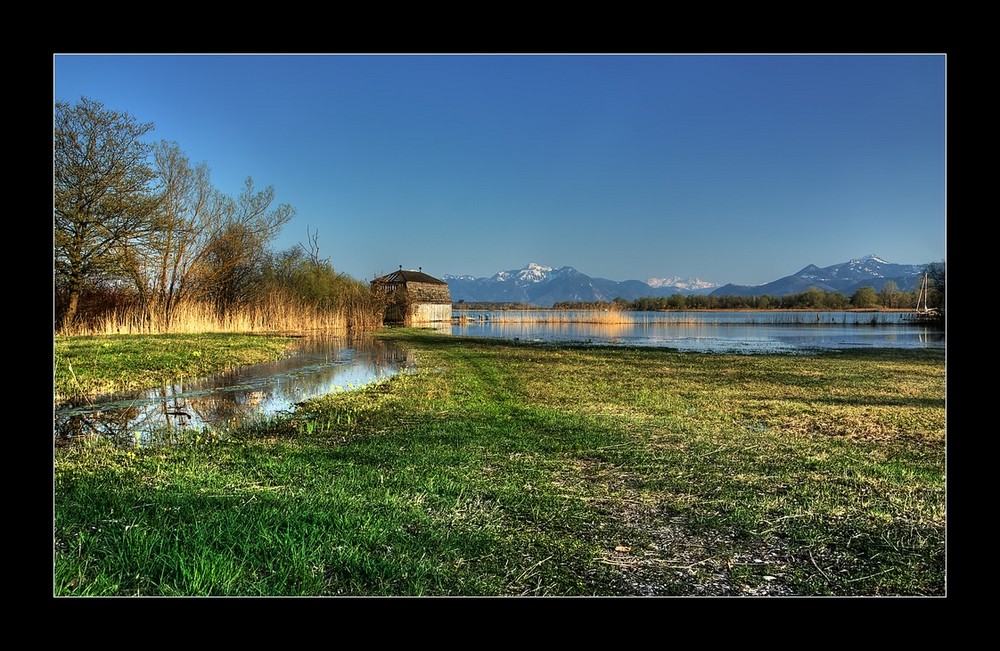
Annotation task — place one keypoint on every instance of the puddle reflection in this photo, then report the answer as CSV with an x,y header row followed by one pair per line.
x,y
208,406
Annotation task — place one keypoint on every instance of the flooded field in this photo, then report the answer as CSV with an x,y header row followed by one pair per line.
x,y
317,366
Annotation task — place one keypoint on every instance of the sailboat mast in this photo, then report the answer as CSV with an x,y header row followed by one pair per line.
x,y
922,297
922,294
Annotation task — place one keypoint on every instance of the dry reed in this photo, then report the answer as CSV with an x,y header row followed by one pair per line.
x,y
269,315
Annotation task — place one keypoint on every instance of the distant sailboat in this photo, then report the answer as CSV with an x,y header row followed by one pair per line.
x,y
923,311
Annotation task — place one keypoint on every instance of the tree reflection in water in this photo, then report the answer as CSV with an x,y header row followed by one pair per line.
x,y
209,407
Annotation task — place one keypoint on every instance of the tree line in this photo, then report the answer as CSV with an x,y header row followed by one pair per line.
x,y
889,296
138,227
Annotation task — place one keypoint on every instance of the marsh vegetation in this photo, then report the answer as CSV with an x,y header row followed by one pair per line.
x,y
145,244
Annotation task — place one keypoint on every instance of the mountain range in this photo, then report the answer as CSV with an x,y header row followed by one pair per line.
x,y
543,286
844,278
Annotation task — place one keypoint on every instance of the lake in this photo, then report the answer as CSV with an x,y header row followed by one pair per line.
x,y
705,331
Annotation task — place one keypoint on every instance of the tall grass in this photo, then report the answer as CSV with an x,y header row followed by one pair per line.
x,y
271,313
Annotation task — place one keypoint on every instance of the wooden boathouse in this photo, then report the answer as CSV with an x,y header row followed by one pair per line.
x,y
413,297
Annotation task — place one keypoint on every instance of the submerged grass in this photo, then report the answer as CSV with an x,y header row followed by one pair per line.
x,y
507,469
89,366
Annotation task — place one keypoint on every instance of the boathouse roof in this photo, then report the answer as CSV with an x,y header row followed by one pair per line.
x,y
408,276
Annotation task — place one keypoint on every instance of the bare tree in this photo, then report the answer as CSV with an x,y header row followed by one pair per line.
x,y
237,252
171,265
313,239
102,196
205,245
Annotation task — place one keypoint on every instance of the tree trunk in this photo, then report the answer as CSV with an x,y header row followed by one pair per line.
x,y
70,315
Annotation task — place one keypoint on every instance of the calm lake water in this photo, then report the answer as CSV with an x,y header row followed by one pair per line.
x,y
721,332
317,366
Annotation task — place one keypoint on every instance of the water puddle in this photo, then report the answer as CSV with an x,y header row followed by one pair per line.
x,y
315,367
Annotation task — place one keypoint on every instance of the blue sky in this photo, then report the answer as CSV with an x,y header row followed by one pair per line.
x,y
729,168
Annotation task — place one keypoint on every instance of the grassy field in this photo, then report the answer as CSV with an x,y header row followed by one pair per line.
x,y
500,468
89,366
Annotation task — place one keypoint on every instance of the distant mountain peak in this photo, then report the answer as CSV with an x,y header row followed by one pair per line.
x,y
682,283
845,278
534,273
868,259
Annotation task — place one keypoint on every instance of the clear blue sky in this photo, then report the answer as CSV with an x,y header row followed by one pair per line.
x,y
730,168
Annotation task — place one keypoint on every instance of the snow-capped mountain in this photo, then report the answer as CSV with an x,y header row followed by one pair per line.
x,y
689,284
543,286
533,273
845,278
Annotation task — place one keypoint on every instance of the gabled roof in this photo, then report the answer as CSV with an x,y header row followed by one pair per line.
x,y
406,276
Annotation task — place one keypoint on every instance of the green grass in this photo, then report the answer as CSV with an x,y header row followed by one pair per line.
x,y
97,365
507,469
